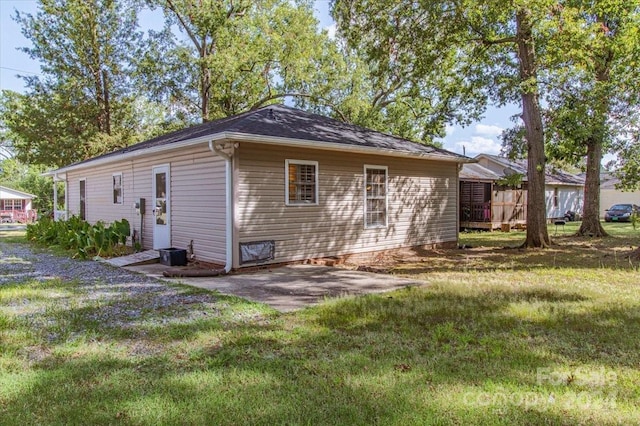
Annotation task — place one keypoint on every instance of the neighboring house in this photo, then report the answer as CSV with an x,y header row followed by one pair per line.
x,y
15,206
609,195
273,185
487,203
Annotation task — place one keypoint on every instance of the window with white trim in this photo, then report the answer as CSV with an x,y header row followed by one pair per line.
x,y
117,188
83,199
301,182
12,205
375,196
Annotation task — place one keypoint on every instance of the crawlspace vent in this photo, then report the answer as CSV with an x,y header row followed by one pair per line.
x,y
257,251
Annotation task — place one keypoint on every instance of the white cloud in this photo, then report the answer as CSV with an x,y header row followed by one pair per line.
x,y
331,31
479,144
449,129
488,130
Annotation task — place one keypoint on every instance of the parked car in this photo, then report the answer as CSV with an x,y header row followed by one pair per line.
x,y
621,212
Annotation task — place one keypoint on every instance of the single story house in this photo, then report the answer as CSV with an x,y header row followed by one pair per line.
x,y
272,185
610,195
487,202
16,206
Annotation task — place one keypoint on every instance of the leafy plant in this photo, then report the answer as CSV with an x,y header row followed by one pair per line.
x,y
78,235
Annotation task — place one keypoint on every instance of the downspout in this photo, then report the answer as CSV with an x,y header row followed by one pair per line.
x,y
228,202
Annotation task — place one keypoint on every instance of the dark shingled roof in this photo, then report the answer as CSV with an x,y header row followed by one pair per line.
x,y
285,122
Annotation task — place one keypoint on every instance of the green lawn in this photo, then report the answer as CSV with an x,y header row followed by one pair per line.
x,y
495,336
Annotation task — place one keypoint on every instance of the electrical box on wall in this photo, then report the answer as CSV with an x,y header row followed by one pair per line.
x,y
139,205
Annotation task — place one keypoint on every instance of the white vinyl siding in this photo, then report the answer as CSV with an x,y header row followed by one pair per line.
x,y
560,199
301,182
197,198
375,196
421,206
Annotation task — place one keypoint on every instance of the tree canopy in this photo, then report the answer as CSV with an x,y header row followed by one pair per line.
x,y
456,57
82,103
233,56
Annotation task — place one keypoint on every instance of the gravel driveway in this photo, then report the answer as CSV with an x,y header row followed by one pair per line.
x,y
285,288
104,296
20,263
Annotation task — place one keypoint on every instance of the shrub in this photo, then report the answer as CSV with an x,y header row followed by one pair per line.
x,y
78,235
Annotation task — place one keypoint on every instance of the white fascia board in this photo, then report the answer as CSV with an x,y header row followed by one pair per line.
x,y
137,153
268,140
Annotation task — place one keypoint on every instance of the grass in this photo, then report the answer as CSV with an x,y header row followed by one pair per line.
x,y
496,336
12,236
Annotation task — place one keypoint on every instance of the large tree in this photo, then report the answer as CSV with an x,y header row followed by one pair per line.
x,y
411,83
82,103
592,88
463,54
231,56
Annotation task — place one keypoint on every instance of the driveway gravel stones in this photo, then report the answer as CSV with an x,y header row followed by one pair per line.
x,y
91,298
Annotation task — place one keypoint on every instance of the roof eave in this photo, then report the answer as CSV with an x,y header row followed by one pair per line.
x,y
269,140
332,146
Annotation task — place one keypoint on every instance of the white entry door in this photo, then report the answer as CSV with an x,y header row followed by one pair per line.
x,y
161,208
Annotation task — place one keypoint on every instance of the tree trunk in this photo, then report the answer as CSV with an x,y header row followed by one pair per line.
x,y
537,235
205,84
107,107
591,226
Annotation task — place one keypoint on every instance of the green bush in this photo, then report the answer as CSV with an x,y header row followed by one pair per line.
x,y
78,235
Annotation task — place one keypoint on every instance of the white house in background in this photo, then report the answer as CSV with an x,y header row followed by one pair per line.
x,y
609,195
16,206
563,190
272,185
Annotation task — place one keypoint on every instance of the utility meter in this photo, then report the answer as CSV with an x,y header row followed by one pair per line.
x,y
139,205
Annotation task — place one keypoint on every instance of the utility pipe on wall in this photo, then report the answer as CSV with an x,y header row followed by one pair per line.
x,y
217,149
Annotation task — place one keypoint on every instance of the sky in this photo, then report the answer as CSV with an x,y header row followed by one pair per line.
x,y
479,137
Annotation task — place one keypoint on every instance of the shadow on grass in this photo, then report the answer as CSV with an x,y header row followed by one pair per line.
x,y
409,357
567,256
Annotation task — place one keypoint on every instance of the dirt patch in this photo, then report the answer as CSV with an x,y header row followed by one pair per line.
x,y
567,251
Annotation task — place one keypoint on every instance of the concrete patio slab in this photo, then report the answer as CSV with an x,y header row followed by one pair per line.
x,y
288,288
147,256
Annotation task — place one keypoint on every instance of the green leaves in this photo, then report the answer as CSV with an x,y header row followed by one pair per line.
x,y
237,56
87,50
77,235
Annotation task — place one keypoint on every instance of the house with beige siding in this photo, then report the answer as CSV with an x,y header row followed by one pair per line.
x,y
272,185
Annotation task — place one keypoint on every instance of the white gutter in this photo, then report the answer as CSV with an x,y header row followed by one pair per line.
x,y
267,140
228,202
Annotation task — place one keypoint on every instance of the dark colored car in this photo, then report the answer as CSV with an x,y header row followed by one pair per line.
x,y
621,212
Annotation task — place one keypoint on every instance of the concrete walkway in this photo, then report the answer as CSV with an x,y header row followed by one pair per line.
x,y
288,288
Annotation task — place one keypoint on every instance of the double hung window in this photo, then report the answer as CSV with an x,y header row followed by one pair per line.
x,y
375,195
117,188
301,182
